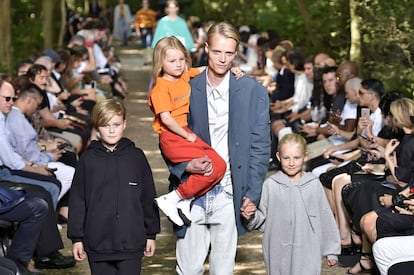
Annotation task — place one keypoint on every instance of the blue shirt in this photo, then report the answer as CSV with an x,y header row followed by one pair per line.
x,y
8,156
23,137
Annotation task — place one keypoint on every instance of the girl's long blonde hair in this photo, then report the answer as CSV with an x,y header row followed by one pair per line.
x,y
160,50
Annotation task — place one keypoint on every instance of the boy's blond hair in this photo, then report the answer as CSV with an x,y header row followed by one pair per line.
x,y
105,110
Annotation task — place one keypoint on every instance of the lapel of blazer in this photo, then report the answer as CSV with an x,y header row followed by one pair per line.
x,y
235,103
198,119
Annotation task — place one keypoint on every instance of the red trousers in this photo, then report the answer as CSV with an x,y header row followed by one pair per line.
x,y
177,149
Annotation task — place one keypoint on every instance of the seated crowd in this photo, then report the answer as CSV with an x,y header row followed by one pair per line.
x,y
360,146
359,139
45,125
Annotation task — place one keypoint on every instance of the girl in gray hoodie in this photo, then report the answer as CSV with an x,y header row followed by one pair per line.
x,y
294,215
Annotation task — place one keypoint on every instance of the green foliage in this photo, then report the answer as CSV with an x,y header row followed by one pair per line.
x,y
27,37
329,19
386,29
388,48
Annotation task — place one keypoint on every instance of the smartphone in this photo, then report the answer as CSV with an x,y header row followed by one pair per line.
x,y
61,114
331,157
103,71
389,185
365,112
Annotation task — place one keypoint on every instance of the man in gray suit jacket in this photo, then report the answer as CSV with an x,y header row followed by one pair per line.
x,y
233,117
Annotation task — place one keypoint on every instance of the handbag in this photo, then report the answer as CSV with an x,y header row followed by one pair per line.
x,y
9,198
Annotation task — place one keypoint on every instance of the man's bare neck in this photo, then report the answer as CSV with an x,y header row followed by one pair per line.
x,y
215,79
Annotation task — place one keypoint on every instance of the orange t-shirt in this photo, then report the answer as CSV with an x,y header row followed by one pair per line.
x,y
171,96
145,18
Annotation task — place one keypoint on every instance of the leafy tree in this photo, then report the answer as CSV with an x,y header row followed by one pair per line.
x,y
376,34
387,37
5,33
26,28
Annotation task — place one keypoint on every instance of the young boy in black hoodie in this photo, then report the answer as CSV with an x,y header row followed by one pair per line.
x,y
112,214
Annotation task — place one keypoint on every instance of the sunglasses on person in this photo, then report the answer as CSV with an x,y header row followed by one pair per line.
x,y
8,98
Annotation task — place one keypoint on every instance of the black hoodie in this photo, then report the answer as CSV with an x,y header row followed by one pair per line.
x,y
112,209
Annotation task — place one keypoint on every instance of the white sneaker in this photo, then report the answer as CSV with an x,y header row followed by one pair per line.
x,y
184,206
168,204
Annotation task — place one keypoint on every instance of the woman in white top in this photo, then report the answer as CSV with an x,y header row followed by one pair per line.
x,y
302,94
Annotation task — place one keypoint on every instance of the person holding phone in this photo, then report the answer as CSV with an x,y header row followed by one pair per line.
x,y
391,218
365,115
23,137
370,94
365,112
353,184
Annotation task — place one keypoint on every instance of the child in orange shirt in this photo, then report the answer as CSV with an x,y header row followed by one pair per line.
x,y
169,100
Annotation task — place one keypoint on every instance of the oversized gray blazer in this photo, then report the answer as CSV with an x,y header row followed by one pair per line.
x,y
249,135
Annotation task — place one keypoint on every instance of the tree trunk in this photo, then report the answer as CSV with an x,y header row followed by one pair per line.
x,y
86,6
355,50
6,51
62,22
307,19
47,10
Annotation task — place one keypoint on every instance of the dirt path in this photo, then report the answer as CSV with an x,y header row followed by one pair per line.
x,y
139,118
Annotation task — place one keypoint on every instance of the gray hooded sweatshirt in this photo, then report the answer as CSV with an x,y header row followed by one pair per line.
x,y
298,224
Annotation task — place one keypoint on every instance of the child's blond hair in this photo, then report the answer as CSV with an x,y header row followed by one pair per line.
x,y
292,138
160,50
105,110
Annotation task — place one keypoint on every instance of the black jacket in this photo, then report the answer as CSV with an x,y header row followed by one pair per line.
x,y
112,209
